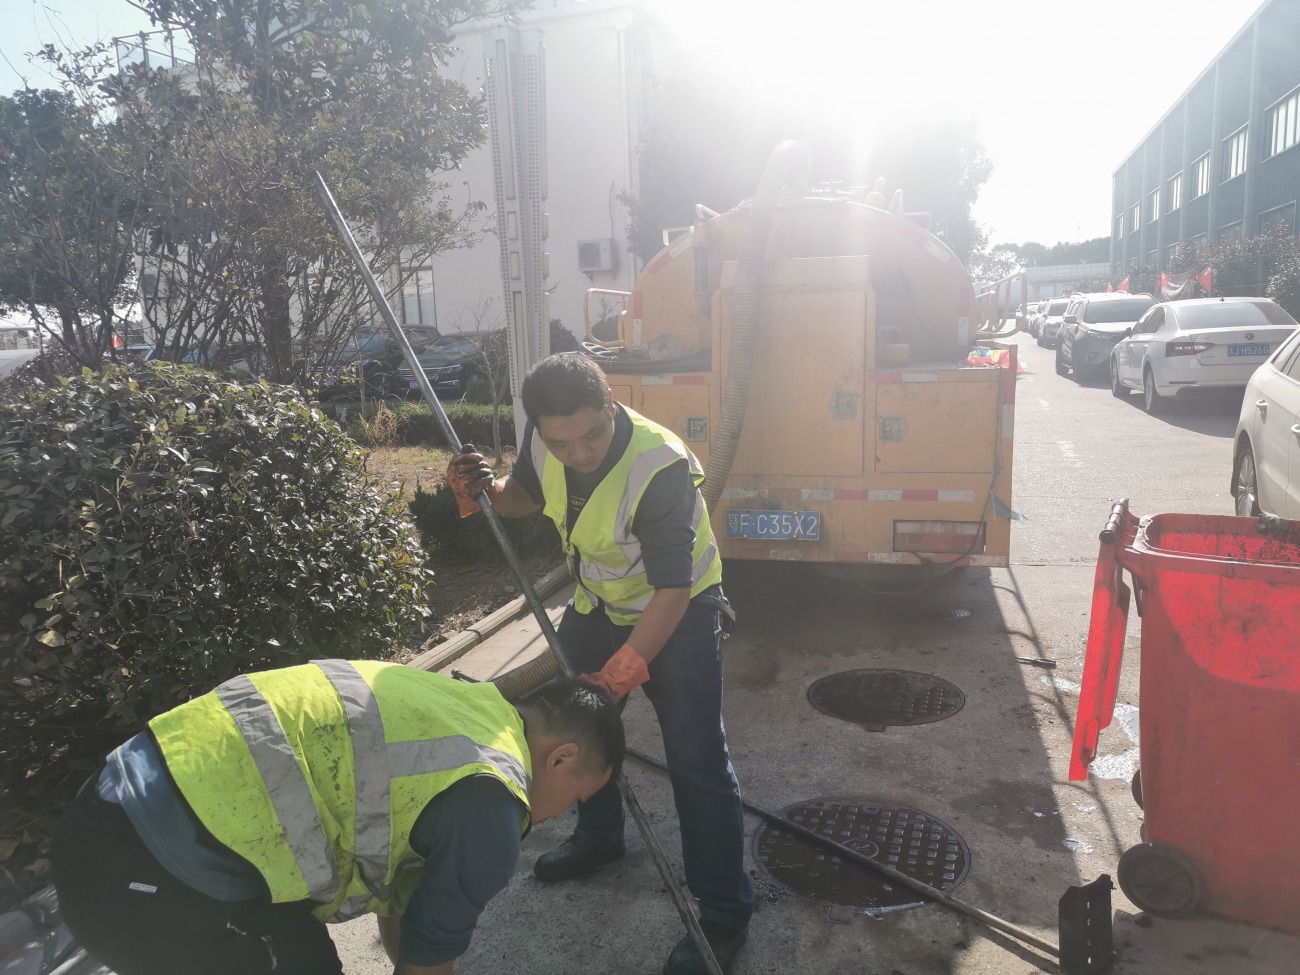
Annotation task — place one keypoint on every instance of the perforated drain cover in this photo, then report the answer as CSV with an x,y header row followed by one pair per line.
x,y
880,699
912,842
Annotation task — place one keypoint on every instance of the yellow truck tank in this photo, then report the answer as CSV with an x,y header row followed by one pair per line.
x,y
868,433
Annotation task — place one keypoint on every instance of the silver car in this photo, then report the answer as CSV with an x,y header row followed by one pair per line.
x,y
1266,456
1049,323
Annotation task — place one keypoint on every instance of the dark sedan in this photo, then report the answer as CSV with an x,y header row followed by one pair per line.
x,y
451,363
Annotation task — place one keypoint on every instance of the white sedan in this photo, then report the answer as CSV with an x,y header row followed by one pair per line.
x,y
1266,456
1179,348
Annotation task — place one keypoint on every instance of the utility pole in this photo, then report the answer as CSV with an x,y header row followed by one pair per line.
x,y
514,73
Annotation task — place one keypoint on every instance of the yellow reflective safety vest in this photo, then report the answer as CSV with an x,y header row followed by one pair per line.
x,y
603,554
316,774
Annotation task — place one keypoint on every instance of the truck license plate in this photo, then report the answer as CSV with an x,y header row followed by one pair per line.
x,y
1248,350
795,526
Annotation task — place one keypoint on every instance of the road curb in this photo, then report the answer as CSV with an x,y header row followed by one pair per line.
x,y
459,644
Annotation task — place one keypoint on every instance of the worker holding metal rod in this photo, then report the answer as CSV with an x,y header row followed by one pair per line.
x,y
224,836
648,610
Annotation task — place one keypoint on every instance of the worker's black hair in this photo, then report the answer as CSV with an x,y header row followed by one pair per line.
x,y
562,384
586,714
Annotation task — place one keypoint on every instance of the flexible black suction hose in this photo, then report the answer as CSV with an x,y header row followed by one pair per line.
x,y
789,163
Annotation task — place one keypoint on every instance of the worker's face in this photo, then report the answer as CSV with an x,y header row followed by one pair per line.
x,y
580,440
561,780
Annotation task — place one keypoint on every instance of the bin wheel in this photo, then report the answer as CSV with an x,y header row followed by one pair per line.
x,y
1136,786
1159,880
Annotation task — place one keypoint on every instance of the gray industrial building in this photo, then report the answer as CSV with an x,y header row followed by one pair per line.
x,y
1224,161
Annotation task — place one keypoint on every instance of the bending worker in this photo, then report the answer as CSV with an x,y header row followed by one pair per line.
x,y
624,494
219,839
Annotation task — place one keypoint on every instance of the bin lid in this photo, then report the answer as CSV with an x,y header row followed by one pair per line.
x,y
1265,548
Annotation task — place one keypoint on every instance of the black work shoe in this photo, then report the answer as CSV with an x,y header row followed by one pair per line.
x,y
725,942
576,857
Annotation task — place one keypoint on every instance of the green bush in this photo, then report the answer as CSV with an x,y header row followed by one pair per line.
x,y
164,530
470,539
417,427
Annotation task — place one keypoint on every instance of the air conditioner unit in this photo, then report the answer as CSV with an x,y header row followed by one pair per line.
x,y
596,255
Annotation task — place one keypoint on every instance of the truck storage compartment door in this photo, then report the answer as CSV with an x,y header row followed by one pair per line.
x,y
926,425
806,397
683,407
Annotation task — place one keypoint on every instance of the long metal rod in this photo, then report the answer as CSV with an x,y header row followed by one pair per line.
x,y
651,841
925,890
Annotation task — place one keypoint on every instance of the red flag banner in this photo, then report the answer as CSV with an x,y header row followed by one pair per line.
x,y
117,341
1123,285
1176,287
1109,289
1206,279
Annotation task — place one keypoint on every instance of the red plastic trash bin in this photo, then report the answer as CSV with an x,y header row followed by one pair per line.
x,y
1219,709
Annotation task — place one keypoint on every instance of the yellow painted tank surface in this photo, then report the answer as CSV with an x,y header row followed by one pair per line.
x,y
869,436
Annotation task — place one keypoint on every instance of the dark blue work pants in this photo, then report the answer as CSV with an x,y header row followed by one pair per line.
x,y
685,688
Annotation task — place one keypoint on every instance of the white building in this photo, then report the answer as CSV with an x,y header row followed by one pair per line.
x,y
568,82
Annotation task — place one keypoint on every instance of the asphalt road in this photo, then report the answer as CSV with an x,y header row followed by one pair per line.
x,y
996,772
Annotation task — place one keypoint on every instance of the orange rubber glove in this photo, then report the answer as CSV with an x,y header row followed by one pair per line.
x,y
469,475
623,673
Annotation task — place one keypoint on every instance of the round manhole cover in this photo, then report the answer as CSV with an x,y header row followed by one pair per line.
x,y
912,842
880,699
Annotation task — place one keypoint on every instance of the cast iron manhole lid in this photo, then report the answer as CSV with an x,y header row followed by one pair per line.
x,y
910,841
880,699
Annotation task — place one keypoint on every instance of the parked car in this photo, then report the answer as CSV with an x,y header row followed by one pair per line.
x,y
1266,457
1033,312
451,362
1091,326
1049,326
1184,348
372,356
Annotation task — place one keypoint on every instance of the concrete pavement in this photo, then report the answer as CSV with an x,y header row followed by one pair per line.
x,y
996,772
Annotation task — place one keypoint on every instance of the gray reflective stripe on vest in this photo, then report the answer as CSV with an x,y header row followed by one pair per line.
x,y
425,757
631,547
538,452
371,812
639,473
291,797
375,763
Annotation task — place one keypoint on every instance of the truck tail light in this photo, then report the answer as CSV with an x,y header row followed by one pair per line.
x,y
1186,348
939,536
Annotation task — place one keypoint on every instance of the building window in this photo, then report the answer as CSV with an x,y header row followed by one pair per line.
x,y
1199,244
1119,226
1283,125
1153,258
1170,251
1134,218
1154,198
1283,216
1230,232
1201,175
1234,154
1175,192
417,297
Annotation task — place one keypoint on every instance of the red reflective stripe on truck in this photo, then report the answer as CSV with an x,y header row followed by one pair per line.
x,y
845,494
659,262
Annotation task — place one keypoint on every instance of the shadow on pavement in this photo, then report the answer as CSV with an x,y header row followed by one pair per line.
x,y
985,771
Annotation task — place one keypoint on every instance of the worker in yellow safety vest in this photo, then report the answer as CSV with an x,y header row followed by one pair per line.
x,y
224,836
623,492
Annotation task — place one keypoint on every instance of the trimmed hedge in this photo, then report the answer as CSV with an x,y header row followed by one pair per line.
x,y
416,425
165,530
